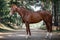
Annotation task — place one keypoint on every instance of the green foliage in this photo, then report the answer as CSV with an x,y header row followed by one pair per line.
x,y
14,2
5,9
2,8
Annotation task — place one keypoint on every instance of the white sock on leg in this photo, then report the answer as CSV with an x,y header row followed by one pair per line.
x,y
50,35
27,36
47,34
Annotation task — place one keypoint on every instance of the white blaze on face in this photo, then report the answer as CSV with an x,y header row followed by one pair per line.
x,y
10,13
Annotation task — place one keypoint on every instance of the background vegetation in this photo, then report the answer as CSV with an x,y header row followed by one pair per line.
x,y
16,19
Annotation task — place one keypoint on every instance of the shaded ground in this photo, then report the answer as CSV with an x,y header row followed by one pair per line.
x,y
21,34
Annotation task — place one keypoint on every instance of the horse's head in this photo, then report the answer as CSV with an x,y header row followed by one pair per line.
x,y
13,9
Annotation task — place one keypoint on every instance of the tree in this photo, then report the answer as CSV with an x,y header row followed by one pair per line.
x,y
3,8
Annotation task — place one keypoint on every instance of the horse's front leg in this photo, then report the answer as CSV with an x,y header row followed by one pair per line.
x,y
28,30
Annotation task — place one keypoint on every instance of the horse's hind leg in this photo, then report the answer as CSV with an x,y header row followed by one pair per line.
x,y
49,29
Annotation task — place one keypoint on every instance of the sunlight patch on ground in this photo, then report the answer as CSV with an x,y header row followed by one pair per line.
x,y
17,35
2,37
5,33
4,27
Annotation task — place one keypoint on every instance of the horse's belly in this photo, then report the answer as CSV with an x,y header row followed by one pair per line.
x,y
35,20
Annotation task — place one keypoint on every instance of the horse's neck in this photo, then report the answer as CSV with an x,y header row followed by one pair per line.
x,y
20,11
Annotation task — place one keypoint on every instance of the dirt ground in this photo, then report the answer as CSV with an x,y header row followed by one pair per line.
x,y
37,34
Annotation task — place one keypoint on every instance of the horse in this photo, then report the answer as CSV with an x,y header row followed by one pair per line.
x,y
29,17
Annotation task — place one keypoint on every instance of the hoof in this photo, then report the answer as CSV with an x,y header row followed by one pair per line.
x,y
50,37
46,37
28,36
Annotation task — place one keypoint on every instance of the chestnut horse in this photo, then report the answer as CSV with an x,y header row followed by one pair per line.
x,y
30,17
